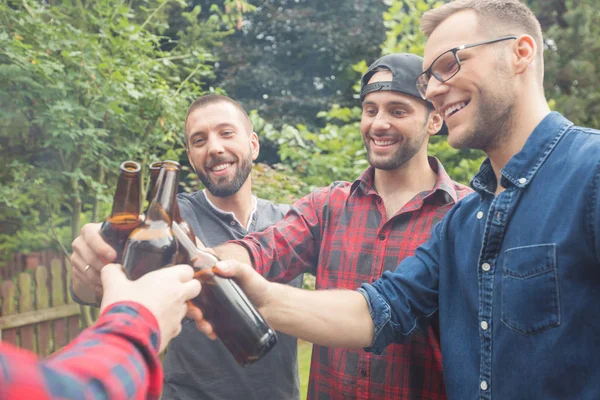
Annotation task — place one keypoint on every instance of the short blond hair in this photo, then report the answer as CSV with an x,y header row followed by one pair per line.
x,y
500,17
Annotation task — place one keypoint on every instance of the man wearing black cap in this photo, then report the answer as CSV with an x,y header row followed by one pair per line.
x,y
351,232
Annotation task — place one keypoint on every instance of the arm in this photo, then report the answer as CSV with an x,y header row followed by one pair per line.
x,y
115,359
335,318
288,248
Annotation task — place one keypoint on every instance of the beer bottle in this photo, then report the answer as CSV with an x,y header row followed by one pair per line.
x,y
125,216
154,171
237,323
152,245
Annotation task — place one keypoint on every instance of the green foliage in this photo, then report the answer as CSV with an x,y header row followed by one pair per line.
x,y
84,86
572,58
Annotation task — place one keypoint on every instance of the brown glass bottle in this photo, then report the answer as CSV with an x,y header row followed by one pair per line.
x,y
152,245
125,216
154,172
237,323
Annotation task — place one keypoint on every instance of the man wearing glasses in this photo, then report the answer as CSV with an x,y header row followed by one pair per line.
x,y
513,270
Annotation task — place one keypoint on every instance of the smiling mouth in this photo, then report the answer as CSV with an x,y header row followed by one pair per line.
x,y
453,109
220,167
383,143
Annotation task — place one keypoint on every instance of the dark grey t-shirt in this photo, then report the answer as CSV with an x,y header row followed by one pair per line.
x,y
199,368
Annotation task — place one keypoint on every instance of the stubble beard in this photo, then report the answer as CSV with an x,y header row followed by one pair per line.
x,y
225,187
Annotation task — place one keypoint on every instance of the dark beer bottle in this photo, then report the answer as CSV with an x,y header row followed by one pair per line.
x,y
152,245
235,320
125,216
154,171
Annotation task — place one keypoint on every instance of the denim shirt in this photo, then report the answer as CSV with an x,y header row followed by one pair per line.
x,y
514,278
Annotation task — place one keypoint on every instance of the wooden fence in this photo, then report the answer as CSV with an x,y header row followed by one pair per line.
x,y
37,312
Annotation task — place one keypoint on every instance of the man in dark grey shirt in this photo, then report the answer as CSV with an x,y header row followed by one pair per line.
x,y
199,368
221,146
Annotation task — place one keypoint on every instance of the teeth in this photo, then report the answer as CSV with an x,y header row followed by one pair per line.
x,y
453,108
220,167
383,143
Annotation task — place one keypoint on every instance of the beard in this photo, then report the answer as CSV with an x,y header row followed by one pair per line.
x,y
407,150
223,186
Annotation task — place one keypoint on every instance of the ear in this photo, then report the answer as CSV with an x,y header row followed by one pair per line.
x,y
434,123
189,156
524,52
255,145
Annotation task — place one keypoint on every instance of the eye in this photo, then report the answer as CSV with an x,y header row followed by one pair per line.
x,y
227,133
198,141
371,112
398,113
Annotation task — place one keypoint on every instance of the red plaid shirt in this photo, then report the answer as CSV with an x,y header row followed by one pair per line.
x,y
115,359
341,235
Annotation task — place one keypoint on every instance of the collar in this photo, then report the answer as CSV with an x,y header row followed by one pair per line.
x,y
231,214
523,166
443,182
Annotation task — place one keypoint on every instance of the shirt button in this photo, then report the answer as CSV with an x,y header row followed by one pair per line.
x,y
483,385
522,181
363,372
484,326
486,267
480,215
381,237
379,201
232,223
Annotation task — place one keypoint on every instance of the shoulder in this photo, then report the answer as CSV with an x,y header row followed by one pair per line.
x,y
264,206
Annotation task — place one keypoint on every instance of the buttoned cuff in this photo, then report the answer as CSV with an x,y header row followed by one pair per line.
x,y
381,315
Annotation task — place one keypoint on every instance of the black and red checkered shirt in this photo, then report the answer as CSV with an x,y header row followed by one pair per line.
x,y
117,358
341,235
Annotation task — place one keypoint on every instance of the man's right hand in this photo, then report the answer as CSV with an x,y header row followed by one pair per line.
x,y
90,254
254,285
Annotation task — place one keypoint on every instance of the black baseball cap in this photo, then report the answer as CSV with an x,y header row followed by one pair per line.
x,y
405,69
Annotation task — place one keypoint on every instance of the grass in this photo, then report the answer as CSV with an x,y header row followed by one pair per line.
x,y
304,353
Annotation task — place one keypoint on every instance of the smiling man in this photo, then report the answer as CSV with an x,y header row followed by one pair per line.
x,y
351,232
221,146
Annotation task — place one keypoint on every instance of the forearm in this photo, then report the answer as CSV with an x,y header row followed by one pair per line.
x,y
103,362
333,318
232,251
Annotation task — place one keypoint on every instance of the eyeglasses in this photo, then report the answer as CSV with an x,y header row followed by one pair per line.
x,y
447,64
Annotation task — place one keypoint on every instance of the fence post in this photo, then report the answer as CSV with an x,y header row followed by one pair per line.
x,y
26,304
42,302
58,299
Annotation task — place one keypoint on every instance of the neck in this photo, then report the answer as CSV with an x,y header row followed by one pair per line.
x,y
240,203
529,112
400,185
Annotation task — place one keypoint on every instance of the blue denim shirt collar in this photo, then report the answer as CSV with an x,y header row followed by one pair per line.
x,y
523,166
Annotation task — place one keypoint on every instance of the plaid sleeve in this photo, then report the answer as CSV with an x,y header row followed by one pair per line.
x,y
290,247
117,358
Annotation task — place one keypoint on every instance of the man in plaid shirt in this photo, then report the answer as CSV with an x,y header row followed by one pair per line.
x,y
117,358
350,233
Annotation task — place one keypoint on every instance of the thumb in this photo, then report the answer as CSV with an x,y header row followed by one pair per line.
x,y
112,273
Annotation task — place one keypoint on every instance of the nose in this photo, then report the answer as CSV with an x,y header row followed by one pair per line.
x,y
215,147
380,123
435,88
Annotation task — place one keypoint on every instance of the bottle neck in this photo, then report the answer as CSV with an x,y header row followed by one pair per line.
x,y
127,195
164,201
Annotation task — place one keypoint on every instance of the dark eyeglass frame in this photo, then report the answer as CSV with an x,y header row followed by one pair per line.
x,y
426,75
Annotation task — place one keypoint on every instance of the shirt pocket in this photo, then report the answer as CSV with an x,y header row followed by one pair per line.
x,y
530,301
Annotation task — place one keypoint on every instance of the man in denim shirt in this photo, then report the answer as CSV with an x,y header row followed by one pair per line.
x,y
513,271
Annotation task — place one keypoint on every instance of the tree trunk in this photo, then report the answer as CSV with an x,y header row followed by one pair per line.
x,y
101,178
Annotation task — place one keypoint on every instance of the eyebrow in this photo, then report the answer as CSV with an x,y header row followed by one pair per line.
x,y
221,125
391,103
